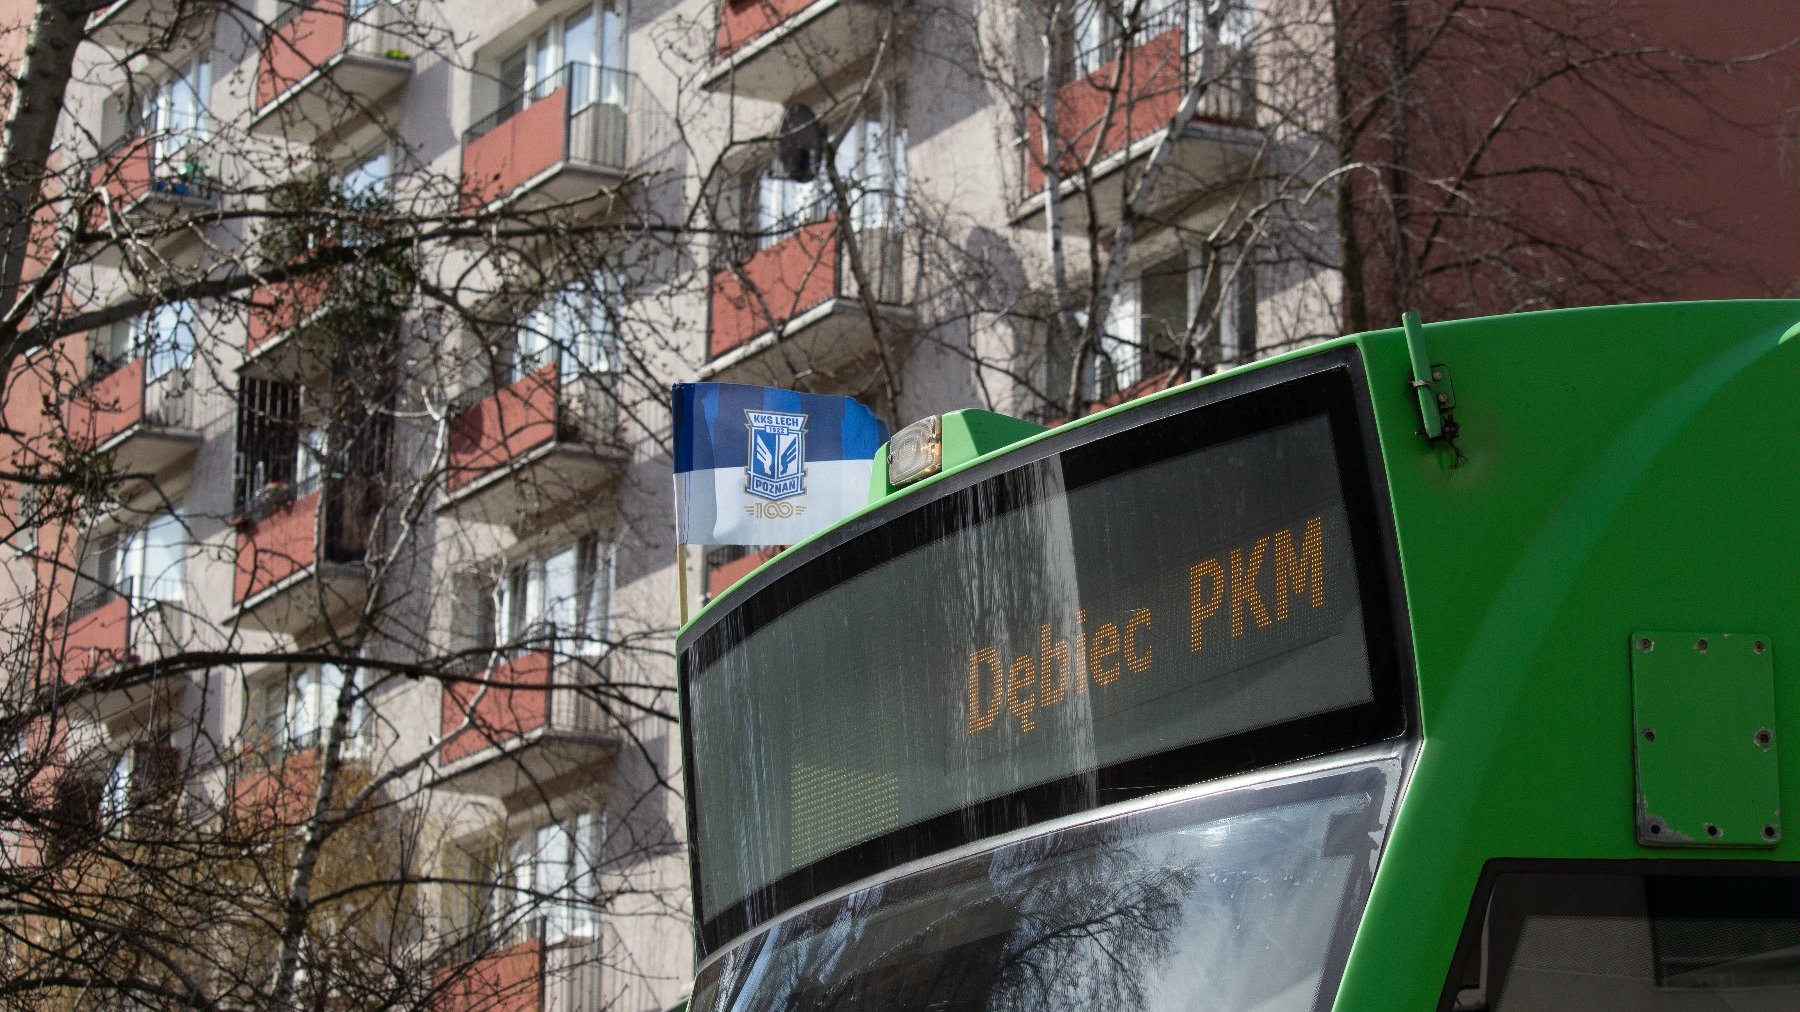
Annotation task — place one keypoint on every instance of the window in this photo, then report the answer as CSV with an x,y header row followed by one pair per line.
x,y
1615,937
560,600
546,879
870,159
367,179
363,187
173,113
575,326
268,440
1150,316
1097,28
142,774
294,711
589,43
311,458
143,563
163,337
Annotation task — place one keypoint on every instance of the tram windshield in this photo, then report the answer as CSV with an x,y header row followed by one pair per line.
x,y
1244,899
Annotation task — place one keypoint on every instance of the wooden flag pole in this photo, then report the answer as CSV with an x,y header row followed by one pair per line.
x,y
681,577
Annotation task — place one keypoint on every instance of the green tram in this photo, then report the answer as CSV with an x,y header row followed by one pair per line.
x,y
1439,667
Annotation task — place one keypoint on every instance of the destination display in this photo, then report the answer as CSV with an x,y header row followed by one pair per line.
x,y
1197,597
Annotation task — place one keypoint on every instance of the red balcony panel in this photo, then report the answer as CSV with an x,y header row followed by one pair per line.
x,y
281,795
721,577
96,640
742,21
1151,78
503,425
126,172
36,393
509,980
108,406
791,276
518,148
277,546
298,48
278,308
516,701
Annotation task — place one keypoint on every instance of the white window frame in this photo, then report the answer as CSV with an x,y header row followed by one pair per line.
x,y
576,326
547,877
147,561
533,71
559,601
870,158
164,337
176,113
292,711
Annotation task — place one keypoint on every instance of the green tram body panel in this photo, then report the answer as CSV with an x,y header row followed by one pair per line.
x,y
1615,470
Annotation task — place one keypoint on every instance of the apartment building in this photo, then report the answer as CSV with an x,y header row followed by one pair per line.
x,y
361,476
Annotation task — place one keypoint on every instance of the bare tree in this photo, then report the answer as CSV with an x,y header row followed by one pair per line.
x,y
327,685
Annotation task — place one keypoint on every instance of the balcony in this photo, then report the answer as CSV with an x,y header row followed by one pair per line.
x,y
105,628
542,442
506,980
145,422
301,554
145,184
278,313
532,975
777,49
528,722
1103,138
799,292
148,24
321,68
569,143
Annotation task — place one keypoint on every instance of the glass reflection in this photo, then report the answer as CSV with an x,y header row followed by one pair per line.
x,y
1242,900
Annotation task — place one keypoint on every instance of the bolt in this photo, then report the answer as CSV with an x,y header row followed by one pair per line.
x,y
1770,832
1437,375
1700,646
1764,737
1655,828
1646,644
1443,398
1649,734
1712,831
1759,646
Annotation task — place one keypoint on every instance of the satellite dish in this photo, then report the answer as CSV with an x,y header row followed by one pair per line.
x,y
800,145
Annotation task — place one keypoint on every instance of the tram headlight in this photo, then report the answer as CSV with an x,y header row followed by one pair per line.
x,y
916,451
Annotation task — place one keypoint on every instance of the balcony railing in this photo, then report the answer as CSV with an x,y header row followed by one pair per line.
x,y
807,268
743,21
107,625
1125,89
584,117
526,966
119,397
777,49
526,695
289,530
138,168
307,38
558,402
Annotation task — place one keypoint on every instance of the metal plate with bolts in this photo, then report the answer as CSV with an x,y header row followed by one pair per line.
x,y
1703,712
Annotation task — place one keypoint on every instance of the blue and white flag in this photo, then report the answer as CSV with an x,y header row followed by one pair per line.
x,y
759,466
